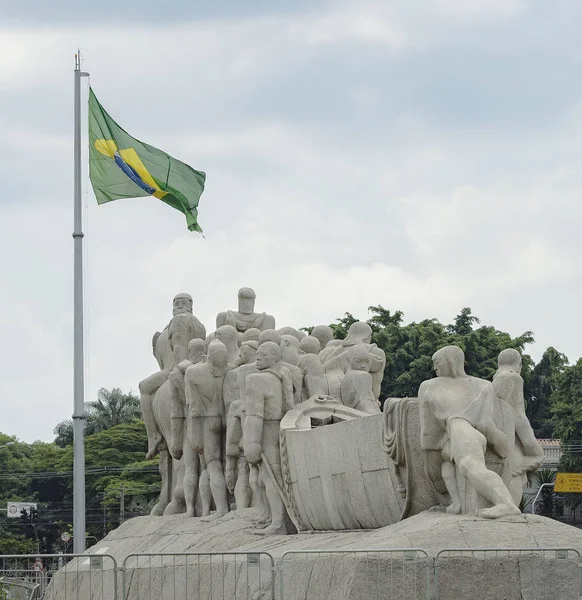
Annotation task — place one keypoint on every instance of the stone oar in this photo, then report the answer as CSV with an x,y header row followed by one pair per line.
x,y
281,493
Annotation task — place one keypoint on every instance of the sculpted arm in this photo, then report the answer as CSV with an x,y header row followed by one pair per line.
x,y
431,435
195,413
254,403
495,437
233,438
180,336
523,428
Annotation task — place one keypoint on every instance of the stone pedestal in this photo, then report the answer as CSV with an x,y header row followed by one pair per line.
x,y
350,574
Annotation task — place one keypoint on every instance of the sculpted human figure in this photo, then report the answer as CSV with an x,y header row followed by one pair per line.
x,y
236,468
228,335
183,327
267,393
324,333
207,418
298,335
244,318
290,350
309,345
251,334
335,358
456,414
356,388
527,455
179,445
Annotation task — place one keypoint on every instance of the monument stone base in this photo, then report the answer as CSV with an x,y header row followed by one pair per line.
x,y
376,573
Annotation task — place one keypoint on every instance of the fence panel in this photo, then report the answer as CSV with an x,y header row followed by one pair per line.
x,y
358,574
59,577
516,573
203,576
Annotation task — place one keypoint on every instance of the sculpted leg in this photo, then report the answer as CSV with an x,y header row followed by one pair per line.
x,y
450,478
165,493
192,470
258,492
489,485
177,505
204,487
154,436
218,487
278,512
147,388
242,490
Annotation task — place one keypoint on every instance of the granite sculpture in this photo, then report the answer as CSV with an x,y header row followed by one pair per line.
x,y
170,349
526,453
245,317
269,395
456,413
207,418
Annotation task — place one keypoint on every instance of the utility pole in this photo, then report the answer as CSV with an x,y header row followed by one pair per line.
x,y
122,504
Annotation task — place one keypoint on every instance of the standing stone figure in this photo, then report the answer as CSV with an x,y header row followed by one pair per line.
x,y
245,318
456,415
207,418
527,455
183,327
268,392
179,444
170,348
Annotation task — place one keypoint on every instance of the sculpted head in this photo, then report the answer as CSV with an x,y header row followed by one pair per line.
x,y
217,355
310,345
358,333
359,358
246,301
324,333
270,335
209,338
228,335
298,335
182,304
247,353
289,349
196,350
268,355
449,362
251,334
509,360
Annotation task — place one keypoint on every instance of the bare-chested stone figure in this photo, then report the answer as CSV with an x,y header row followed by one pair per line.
x,y
183,327
456,414
356,389
527,454
268,392
245,317
228,335
207,418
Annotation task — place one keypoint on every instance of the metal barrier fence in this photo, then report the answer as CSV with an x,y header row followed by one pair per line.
x,y
367,574
213,576
453,574
493,573
58,576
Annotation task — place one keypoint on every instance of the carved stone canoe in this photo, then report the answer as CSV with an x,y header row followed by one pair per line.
x,y
337,474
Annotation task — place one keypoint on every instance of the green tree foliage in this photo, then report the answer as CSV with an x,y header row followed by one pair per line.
x,y
566,420
409,347
542,384
111,408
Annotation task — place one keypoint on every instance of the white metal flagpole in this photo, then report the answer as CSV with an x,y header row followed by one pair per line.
x,y
78,364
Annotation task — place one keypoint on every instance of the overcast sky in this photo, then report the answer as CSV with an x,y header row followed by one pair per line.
x,y
421,155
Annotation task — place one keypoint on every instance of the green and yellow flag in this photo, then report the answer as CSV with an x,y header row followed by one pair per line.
x,y
122,167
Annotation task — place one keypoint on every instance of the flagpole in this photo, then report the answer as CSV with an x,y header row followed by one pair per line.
x,y
78,353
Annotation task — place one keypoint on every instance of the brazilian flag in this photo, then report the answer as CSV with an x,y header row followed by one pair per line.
x,y
122,167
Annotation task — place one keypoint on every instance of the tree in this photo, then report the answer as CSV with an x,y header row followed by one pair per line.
x,y
110,409
540,388
409,348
